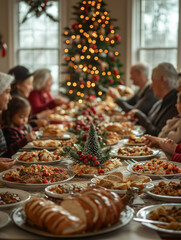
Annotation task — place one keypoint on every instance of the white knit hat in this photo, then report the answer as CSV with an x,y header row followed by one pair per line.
x,y
5,81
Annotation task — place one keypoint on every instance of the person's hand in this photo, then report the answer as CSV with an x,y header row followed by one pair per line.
x,y
132,113
152,141
41,123
31,136
114,93
6,163
168,145
60,100
44,114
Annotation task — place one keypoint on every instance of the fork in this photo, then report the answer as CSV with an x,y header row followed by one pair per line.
x,y
130,161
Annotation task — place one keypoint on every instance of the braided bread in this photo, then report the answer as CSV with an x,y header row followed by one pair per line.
x,y
47,215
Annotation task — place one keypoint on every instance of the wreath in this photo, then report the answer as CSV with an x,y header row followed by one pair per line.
x,y
38,7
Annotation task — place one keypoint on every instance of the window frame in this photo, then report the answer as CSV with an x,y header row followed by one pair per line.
x,y
136,43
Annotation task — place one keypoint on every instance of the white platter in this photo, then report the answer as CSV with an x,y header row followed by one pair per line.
x,y
19,219
64,136
130,169
148,186
30,145
126,143
28,186
165,198
63,195
145,212
114,152
4,219
24,196
138,131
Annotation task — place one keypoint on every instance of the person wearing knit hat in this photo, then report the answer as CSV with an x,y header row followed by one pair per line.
x,y
23,83
5,81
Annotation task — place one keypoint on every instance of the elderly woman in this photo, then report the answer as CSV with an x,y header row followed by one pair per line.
x,y
5,81
22,86
41,98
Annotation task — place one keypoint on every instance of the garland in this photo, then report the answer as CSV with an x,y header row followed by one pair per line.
x,y
38,7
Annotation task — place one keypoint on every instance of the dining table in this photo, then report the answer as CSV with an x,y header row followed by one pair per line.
x,y
132,231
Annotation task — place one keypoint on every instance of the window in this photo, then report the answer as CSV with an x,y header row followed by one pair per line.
x,y
39,40
157,31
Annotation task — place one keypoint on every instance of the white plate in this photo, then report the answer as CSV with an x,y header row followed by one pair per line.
x,y
165,197
28,186
63,195
130,169
24,196
65,136
148,186
145,212
138,130
19,219
114,152
126,143
4,219
31,145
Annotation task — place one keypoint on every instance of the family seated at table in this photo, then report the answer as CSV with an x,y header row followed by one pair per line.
x,y
36,88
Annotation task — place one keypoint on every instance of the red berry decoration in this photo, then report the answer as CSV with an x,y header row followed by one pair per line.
x,y
89,156
117,38
101,171
96,78
85,160
96,163
79,152
111,80
85,137
84,156
94,159
115,72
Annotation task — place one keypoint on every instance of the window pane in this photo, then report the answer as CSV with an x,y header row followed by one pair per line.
x,y
38,45
34,59
154,57
159,23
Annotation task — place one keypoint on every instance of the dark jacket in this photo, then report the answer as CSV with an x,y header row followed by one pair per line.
x,y
144,102
158,115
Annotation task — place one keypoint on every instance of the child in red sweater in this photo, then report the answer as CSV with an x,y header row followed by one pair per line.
x,y
15,128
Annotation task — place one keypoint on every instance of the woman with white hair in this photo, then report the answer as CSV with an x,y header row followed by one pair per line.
x,y
164,82
5,81
41,98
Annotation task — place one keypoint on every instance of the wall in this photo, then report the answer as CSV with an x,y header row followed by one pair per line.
x,y
118,9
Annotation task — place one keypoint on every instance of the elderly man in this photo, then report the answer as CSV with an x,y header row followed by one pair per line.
x,y
164,82
144,99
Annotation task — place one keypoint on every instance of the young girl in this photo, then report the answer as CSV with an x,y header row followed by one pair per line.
x,y
15,128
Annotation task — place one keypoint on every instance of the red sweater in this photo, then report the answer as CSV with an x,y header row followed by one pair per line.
x,y
177,154
40,102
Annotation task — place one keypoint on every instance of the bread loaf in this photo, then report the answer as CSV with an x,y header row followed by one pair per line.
x,y
47,215
92,209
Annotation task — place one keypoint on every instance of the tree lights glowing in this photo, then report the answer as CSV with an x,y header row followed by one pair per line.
x,y
92,64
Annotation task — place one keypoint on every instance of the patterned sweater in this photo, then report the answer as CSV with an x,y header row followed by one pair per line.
x,y
15,138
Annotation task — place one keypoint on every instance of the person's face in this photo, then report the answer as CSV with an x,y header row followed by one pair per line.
x,y
21,117
156,86
48,84
26,87
5,97
178,105
135,76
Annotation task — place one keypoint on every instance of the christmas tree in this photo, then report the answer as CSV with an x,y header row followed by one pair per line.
x,y
92,145
92,63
